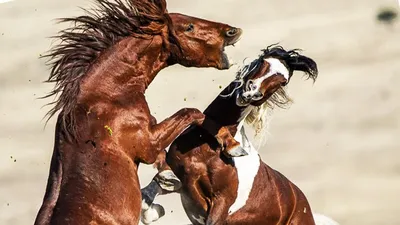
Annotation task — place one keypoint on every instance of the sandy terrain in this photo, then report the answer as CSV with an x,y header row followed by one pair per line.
x,y
339,142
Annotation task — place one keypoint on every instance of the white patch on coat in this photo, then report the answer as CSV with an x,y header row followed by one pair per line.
x,y
247,168
275,67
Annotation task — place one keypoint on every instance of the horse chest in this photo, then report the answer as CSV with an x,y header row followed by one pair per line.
x,y
247,168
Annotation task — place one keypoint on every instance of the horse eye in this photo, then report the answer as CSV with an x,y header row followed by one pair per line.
x,y
190,28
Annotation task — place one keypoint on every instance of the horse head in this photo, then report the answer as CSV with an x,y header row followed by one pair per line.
x,y
263,77
201,43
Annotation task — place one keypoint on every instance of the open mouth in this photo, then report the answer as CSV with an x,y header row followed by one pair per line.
x,y
240,101
226,64
225,60
232,40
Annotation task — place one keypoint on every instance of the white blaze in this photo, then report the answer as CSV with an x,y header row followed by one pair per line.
x,y
275,67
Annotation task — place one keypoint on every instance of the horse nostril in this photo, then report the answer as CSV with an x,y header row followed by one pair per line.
x,y
232,32
251,85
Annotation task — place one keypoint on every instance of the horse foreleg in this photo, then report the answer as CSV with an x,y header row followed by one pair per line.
x,y
165,177
218,212
230,147
151,212
166,131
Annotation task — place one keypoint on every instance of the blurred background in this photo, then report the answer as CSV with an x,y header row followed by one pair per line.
x,y
339,141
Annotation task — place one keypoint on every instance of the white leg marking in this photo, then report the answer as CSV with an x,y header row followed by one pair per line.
x,y
200,220
247,169
323,220
152,214
149,193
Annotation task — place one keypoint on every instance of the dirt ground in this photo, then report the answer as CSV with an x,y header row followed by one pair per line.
x,y
339,141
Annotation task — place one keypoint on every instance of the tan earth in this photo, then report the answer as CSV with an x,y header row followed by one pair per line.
x,y
339,141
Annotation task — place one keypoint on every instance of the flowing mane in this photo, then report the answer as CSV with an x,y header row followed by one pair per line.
x,y
91,35
293,60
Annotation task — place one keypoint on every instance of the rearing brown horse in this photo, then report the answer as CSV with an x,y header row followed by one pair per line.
x,y
105,129
217,190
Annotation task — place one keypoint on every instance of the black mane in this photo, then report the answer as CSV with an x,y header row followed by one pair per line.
x,y
293,60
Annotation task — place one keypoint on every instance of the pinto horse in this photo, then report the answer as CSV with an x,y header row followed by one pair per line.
x,y
237,191
104,129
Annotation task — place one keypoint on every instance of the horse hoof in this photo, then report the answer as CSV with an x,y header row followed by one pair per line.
x,y
168,181
236,152
151,215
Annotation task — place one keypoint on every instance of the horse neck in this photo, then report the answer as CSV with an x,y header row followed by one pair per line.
x,y
225,111
126,69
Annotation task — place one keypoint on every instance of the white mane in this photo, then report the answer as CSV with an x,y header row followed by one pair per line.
x,y
258,119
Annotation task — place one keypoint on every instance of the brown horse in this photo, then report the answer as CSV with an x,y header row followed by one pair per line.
x,y
219,190
104,130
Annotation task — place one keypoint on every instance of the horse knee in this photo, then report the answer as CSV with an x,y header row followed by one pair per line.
x,y
152,214
160,164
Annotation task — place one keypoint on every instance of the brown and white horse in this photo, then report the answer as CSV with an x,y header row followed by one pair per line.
x,y
219,190
105,129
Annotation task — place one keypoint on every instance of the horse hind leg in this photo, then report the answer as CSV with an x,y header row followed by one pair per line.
x,y
218,212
